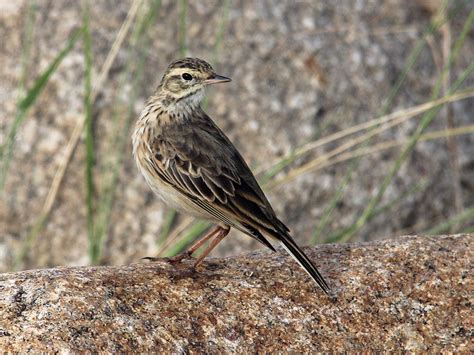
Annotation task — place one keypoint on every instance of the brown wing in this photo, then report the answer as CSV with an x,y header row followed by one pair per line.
x,y
200,162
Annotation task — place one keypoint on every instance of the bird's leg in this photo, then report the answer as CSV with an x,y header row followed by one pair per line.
x,y
221,234
188,253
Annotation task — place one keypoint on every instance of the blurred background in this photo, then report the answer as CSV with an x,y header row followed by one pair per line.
x,y
355,115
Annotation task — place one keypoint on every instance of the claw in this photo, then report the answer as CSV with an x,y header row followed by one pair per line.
x,y
180,257
172,260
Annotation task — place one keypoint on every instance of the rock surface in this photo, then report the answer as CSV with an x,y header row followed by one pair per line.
x,y
409,293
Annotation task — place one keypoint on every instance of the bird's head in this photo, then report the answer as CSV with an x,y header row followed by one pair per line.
x,y
185,80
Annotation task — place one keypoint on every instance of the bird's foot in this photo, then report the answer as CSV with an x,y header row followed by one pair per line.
x,y
177,259
180,257
172,260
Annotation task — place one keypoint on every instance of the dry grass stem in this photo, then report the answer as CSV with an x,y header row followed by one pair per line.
x,y
318,164
176,234
79,128
386,122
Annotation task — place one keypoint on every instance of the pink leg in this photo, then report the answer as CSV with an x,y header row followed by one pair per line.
x,y
203,240
188,253
221,234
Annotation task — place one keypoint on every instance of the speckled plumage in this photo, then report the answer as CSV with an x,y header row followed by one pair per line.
x,y
193,167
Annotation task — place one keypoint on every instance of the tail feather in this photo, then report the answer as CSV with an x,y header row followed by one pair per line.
x,y
295,251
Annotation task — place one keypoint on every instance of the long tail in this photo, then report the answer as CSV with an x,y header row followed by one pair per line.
x,y
294,250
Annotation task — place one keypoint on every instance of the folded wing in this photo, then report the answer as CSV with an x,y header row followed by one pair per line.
x,y
200,162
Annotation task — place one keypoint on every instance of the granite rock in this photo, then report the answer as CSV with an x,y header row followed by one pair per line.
x,y
405,294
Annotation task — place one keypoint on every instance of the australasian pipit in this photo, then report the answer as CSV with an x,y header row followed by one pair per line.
x,y
193,167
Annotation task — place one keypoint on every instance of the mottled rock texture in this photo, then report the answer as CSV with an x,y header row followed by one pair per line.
x,y
409,293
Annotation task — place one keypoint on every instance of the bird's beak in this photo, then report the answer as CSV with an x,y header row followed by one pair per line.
x,y
216,79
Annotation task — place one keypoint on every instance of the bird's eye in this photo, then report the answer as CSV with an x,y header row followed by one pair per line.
x,y
187,76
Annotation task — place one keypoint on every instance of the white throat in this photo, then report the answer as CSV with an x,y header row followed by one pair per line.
x,y
188,104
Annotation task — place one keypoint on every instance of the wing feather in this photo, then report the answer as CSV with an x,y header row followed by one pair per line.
x,y
200,162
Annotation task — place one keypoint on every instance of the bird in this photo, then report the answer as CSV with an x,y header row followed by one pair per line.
x,y
193,167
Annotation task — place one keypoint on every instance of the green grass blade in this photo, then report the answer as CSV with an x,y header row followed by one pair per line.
x,y
421,186
183,50
415,53
192,233
94,253
25,104
135,69
218,41
221,30
27,41
411,61
183,15
465,216
338,195
336,237
168,222
468,230
347,233
42,219
26,245
170,217
425,122
331,207
270,173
